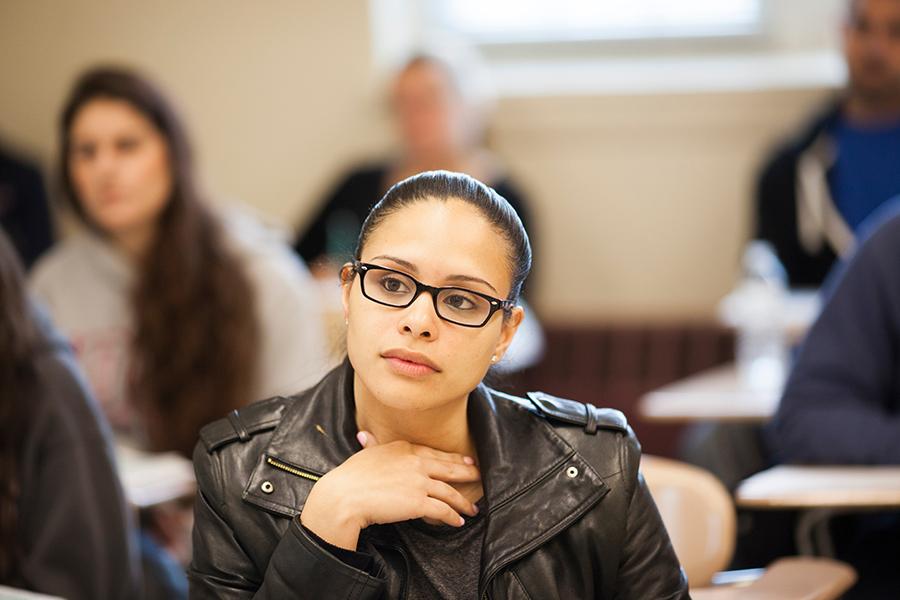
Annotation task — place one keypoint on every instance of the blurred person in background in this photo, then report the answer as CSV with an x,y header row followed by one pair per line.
x,y
439,106
179,313
841,404
64,525
24,214
439,111
817,189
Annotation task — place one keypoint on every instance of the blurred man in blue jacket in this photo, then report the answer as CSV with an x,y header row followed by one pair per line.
x,y
841,404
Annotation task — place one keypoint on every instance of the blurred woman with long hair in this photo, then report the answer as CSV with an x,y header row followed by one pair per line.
x,y
178,312
64,527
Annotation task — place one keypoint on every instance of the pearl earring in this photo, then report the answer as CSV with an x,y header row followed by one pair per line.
x,y
494,358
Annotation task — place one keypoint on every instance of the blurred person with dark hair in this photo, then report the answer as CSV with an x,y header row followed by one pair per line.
x,y
64,526
24,214
178,313
817,189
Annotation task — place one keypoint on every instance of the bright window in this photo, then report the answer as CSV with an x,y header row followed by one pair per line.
x,y
530,21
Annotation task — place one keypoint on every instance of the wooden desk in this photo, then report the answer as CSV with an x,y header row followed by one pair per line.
x,y
791,486
149,479
821,492
713,395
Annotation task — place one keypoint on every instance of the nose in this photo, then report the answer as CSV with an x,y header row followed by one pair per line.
x,y
104,164
419,319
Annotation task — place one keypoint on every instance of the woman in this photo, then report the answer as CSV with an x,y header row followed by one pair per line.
x,y
400,474
64,527
177,314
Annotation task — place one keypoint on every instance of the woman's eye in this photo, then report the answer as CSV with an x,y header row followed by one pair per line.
x,y
127,144
459,302
83,151
394,285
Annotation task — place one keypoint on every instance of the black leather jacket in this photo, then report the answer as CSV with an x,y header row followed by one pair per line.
x,y
569,516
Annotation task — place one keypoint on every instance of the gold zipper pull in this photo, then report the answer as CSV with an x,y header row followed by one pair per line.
x,y
291,469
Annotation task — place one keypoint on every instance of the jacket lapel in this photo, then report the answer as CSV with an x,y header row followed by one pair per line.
x,y
535,484
316,434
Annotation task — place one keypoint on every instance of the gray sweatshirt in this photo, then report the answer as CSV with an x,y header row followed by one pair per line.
x,y
84,282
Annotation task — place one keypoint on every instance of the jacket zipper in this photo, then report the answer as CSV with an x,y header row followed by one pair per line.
x,y
291,469
525,549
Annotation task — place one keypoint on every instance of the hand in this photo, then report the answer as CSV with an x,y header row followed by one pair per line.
x,y
387,484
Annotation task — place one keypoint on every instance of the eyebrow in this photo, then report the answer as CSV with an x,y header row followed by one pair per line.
x,y
412,269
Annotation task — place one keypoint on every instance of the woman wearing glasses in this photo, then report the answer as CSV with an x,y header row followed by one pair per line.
x,y
400,474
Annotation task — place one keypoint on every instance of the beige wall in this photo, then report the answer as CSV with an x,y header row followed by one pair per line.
x,y
275,93
642,202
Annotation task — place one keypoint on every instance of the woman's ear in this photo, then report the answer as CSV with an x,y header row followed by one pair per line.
x,y
510,326
346,284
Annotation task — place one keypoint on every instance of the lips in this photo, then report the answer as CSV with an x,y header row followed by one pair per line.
x,y
412,364
110,196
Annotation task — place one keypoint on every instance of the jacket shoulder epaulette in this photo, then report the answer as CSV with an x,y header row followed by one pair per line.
x,y
578,413
242,424
571,412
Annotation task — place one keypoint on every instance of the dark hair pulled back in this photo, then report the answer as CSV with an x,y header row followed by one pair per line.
x,y
444,186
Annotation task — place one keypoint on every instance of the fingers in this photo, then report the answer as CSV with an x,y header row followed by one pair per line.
x,y
452,457
438,510
450,472
446,466
366,439
450,496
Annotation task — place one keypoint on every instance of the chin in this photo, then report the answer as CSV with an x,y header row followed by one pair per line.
x,y
403,392
115,224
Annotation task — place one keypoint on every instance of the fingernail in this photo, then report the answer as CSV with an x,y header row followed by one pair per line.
x,y
361,437
468,460
462,521
475,508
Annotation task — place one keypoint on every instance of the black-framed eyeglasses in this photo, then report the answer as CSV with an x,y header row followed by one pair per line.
x,y
454,304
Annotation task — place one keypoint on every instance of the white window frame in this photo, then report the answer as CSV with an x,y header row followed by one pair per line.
x,y
795,45
432,14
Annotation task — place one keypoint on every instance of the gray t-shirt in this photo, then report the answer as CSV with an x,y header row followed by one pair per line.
x,y
444,561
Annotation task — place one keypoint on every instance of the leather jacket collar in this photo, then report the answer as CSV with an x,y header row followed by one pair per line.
x,y
535,483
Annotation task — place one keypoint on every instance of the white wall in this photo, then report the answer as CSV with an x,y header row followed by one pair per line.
x,y
642,200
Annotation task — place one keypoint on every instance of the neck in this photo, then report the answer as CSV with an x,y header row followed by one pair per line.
x,y
864,110
134,244
444,427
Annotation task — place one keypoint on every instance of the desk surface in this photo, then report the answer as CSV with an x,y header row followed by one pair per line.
x,y
789,486
713,395
154,478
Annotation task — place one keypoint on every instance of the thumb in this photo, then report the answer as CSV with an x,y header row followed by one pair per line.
x,y
366,439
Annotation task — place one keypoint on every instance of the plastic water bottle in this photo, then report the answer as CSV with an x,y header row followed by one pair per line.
x,y
756,309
